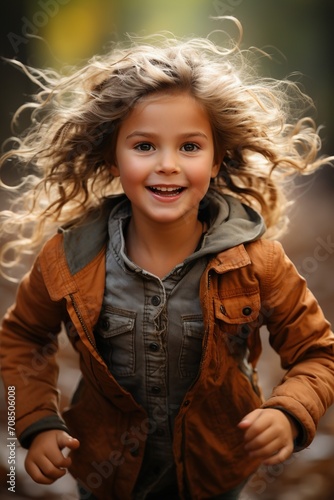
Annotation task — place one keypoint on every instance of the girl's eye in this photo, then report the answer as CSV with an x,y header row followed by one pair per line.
x,y
190,147
144,146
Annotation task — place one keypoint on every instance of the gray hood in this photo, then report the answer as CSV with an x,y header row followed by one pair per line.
x,y
230,224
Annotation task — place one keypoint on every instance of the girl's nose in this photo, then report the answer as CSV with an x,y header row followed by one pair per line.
x,y
168,163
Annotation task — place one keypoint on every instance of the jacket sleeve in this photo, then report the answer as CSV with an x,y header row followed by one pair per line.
x,y
28,346
302,337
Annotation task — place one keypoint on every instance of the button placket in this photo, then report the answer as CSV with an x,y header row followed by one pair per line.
x,y
138,289
155,324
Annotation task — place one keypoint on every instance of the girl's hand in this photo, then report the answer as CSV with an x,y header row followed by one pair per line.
x,y
45,462
269,435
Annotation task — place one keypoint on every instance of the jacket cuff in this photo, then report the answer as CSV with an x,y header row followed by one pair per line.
x,y
44,424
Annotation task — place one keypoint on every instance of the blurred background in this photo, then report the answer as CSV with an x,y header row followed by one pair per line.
x,y
299,36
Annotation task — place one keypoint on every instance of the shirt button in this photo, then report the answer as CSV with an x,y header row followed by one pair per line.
x,y
154,347
247,311
155,389
160,432
155,300
105,325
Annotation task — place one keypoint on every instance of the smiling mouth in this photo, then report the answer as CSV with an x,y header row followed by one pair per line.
x,y
166,191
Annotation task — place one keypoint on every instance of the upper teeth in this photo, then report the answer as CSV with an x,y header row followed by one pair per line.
x,y
164,188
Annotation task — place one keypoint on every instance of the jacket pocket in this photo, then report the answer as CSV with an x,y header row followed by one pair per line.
x,y
191,347
239,309
236,318
115,340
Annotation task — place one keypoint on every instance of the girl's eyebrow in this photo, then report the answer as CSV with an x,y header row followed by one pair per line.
x,y
186,135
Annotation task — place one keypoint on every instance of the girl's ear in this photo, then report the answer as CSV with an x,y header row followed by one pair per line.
x,y
215,170
114,170
216,166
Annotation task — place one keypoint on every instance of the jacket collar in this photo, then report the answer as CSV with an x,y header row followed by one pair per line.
x,y
232,258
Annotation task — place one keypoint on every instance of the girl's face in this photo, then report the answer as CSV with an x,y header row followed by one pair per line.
x,y
165,157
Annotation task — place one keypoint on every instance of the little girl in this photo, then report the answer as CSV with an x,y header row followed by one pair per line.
x,y
163,288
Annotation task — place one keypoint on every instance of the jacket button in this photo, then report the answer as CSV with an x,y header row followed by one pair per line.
x,y
186,403
245,330
135,452
247,311
155,389
154,347
155,300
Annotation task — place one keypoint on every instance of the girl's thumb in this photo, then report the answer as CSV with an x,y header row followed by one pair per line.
x,y
67,441
249,419
244,424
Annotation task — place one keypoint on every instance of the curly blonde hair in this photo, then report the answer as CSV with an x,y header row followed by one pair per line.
x,y
68,149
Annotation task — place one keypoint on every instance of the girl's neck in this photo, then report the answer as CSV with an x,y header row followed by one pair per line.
x,y
158,248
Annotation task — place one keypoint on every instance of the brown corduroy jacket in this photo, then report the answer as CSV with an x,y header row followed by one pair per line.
x,y
242,289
